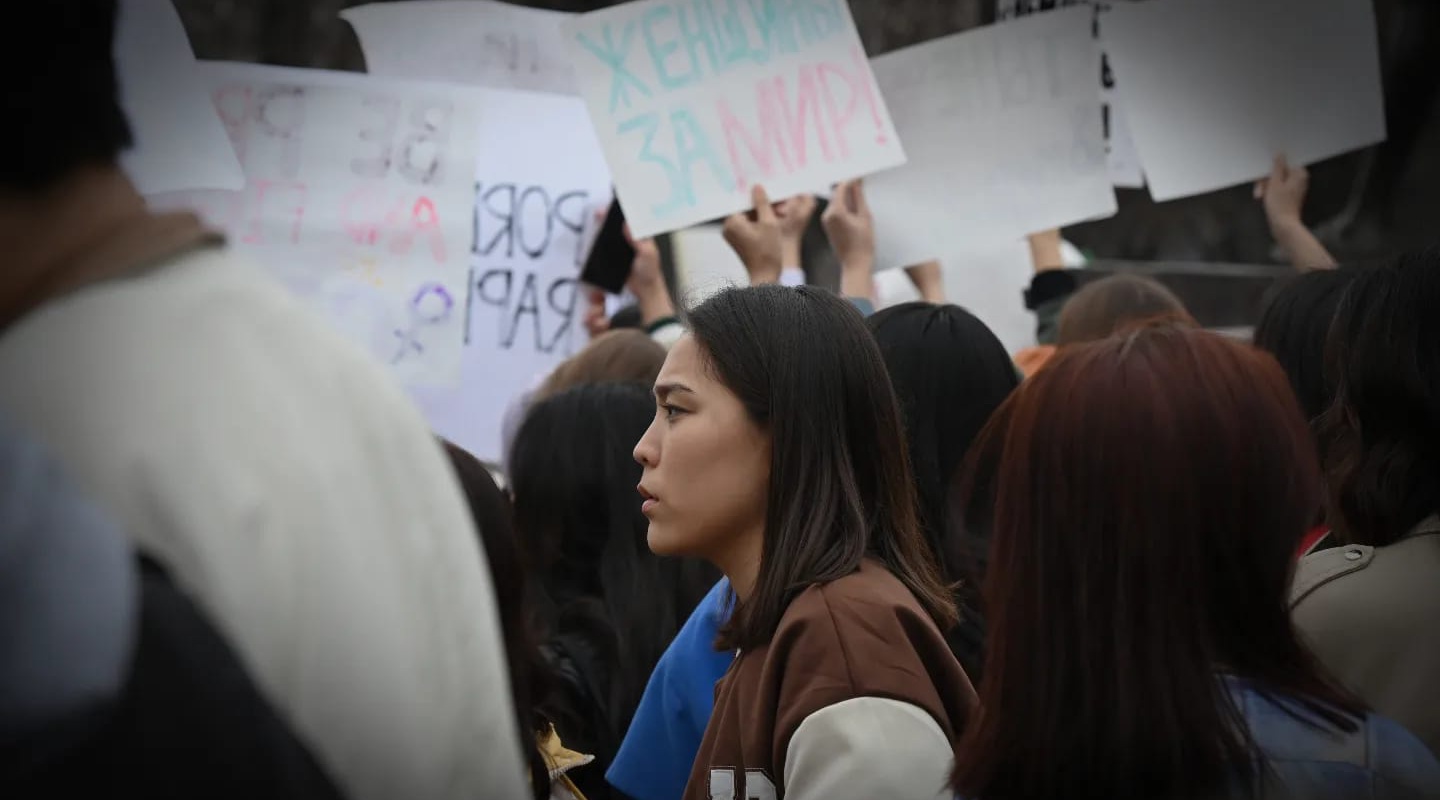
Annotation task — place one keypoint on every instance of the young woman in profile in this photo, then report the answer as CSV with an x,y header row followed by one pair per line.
x,y
1139,643
777,453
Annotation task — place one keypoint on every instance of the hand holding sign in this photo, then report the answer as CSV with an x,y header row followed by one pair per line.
x,y
851,228
794,215
755,237
1283,193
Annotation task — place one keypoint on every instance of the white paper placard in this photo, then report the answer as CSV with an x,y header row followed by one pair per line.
x,y
359,197
694,101
1125,168
179,141
538,178
1003,127
1214,89
477,42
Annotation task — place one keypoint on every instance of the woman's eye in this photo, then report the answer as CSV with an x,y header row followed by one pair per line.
x,y
672,411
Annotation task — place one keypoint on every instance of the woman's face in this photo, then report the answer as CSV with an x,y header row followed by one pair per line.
x,y
707,465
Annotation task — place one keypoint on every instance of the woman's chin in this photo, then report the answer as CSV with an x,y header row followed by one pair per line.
x,y
663,543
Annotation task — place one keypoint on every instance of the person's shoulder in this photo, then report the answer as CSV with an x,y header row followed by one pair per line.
x,y
870,589
867,604
1399,758
1325,568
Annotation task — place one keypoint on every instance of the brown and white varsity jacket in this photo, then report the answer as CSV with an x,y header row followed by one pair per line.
x,y
856,697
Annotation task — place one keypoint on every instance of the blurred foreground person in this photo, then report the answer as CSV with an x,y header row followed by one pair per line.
x,y
281,476
111,681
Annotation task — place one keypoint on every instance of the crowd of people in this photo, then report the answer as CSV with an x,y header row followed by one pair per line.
x,y
778,545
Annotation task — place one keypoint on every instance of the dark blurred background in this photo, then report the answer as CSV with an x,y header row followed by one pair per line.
x,y
1366,204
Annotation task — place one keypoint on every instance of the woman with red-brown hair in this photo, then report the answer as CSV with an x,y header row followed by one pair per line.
x,y
1145,496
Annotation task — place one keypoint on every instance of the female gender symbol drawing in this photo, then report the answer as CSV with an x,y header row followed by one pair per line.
x,y
430,307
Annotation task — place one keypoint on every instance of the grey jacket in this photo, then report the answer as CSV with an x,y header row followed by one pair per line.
x,y
1372,616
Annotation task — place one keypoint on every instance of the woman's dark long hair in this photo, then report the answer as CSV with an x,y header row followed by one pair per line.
x,y
1149,493
530,676
1381,438
810,374
608,606
950,373
1294,328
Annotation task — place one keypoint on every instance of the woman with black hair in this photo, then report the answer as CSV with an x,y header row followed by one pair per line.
x,y
531,679
1294,328
606,606
777,454
1369,606
950,373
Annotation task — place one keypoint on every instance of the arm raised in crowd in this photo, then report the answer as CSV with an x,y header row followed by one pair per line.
x,y
928,281
851,230
794,215
1051,286
757,238
647,283
1283,195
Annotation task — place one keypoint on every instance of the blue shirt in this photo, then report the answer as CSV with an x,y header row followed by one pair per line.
x,y
1379,761
68,595
655,758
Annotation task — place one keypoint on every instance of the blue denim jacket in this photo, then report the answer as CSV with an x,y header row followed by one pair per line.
x,y
1379,761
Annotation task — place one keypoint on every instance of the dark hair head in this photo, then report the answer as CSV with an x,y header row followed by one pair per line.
x,y
529,675
606,601
622,356
63,98
950,373
1381,438
809,373
1150,494
1113,303
1294,328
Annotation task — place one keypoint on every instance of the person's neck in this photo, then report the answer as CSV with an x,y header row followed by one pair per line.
x,y
47,235
741,564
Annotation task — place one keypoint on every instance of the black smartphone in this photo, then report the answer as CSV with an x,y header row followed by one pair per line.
x,y
608,265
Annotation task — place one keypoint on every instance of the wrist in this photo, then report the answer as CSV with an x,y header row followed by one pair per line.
x,y
1287,228
858,263
762,275
654,307
764,267
647,290
790,254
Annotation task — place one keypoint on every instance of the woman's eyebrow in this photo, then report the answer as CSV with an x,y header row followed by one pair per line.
x,y
664,390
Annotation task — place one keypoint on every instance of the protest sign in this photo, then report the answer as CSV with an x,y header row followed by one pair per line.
x,y
359,198
537,180
1125,169
476,42
1215,89
179,141
1004,132
695,101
